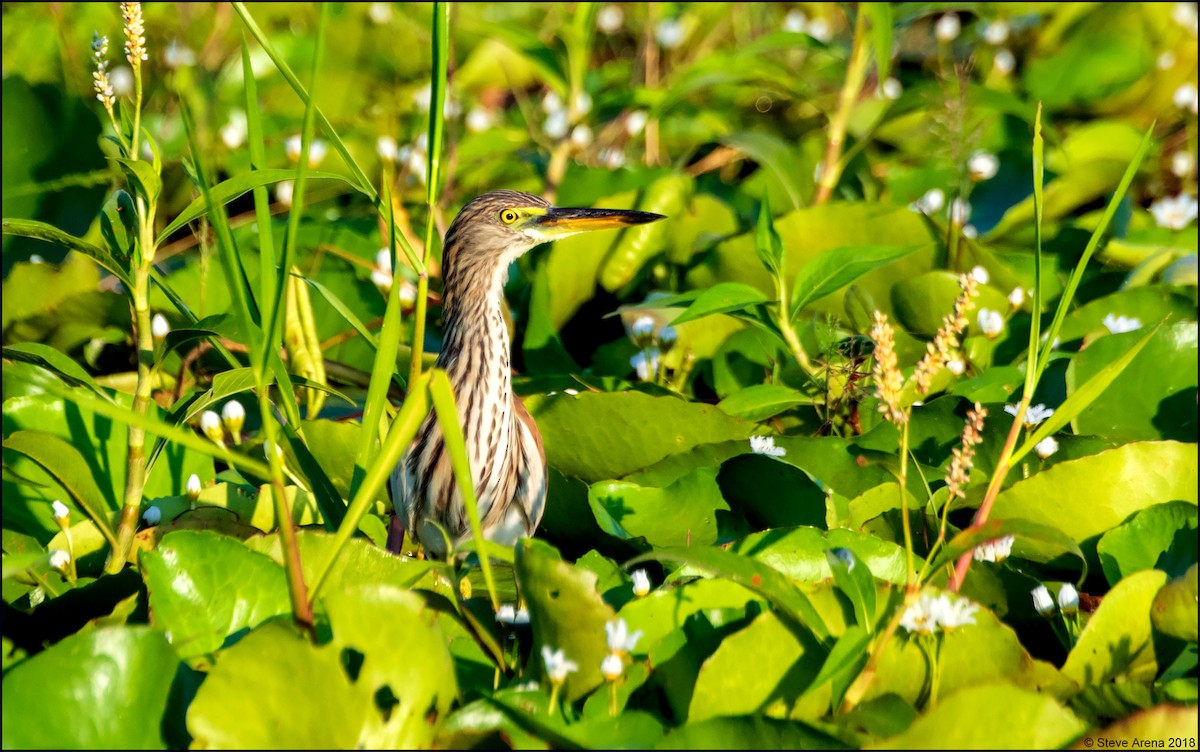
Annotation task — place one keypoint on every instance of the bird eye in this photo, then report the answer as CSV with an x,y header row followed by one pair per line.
x,y
508,216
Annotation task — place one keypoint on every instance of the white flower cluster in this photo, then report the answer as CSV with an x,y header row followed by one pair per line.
x,y
766,445
933,613
995,550
620,643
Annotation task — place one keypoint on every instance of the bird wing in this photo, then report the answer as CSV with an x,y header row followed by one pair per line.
x,y
532,498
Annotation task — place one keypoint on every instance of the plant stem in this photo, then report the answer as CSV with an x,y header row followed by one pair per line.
x,y
135,463
297,588
856,74
904,521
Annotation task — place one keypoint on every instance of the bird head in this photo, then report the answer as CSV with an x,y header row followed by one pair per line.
x,y
500,226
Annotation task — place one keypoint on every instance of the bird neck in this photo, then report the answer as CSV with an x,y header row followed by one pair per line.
x,y
475,350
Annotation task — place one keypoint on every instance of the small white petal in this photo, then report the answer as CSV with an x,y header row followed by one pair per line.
x,y
610,18
1121,324
1166,60
991,323
948,27
1068,598
1016,298
386,148
283,192
556,124
1185,97
1182,163
765,445
1174,213
635,122
980,275
581,136
60,510
641,582
996,32
551,103
159,327
59,559
960,211
891,88
480,119
795,21
193,487
380,13
983,165
670,33
1004,62
819,29
1042,602
956,366
1046,447
612,667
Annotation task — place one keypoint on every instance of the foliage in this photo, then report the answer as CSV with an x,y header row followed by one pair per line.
x,y
885,437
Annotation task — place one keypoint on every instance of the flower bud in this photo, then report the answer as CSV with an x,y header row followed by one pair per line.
x,y
1042,602
193,488
1068,599
612,667
233,415
641,582
59,560
61,513
210,424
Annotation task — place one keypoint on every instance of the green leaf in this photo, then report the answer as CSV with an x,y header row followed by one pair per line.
x,y
1117,641
880,15
761,401
1174,610
724,297
683,513
832,270
105,688
855,580
922,302
752,731
667,609
751,574
51,359
566,613
1159,537
636,245
143,179
1034,540
1090,495
360,563
766,240
66,465
1163,722
762,668
1149,398
41,231
799,553
249,700
206,589
625,431
1002,717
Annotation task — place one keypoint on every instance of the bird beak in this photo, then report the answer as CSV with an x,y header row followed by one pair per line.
x,y
559,222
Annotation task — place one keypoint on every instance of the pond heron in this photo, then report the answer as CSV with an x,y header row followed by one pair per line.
x,y
508,462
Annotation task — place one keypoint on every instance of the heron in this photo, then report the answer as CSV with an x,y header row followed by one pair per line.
x,y
504,446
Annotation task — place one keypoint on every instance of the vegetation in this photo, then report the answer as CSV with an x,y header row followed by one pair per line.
x,y
887,436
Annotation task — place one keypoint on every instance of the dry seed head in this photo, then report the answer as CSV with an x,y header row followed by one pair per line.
x,y
964,456
945,342
135,34
886,371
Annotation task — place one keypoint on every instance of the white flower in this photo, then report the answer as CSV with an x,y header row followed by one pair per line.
x,y
36,258
1174,213
382,279
292,147
666,337
1121,324
193,488
178,55
59,559
610,18
233,415
556,124
670,33
121,80
551,103
1004,62
508,614
612,667
819,29
646,364
931,613
635,122
557,665
316,152
983,165
383,260
891,88
642,329
380,13
210,424
1166,60
619,638
980,275
583,103
152,515
613,159
970,232
641,582
1068,599
387,148
1046,447
960,211
795,21
1185,97
283,192
956,366
1016,298
159,327
766,445
995,550
60,511
1184,14
233,133
995,32
571,392
991,323
1042,602
581,136
932,202
1035,415
948,27
1181,163
408,295
479,119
